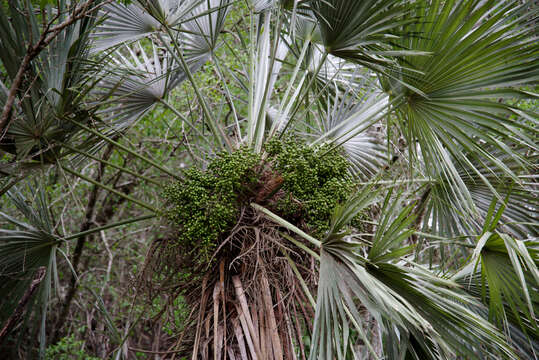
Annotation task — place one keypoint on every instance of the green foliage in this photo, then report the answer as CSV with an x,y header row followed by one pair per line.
x,y
180,314
68,348
206,203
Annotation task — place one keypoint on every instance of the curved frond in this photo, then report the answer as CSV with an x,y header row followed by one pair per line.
x,y
430,315
170,12
53,84
199,35
503,273
432,312
479,52
123,23
362,31
136,81
24,248
347,122
30,245
450,215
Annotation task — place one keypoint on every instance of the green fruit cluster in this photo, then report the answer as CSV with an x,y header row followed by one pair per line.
x,y
316,179
206,203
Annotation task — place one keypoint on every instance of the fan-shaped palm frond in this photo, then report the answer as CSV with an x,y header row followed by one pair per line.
x,y
447,214
346,123
363,31
503,273
200,22
170,12
123,23
24,249
200,35
428,315
137,81
479,51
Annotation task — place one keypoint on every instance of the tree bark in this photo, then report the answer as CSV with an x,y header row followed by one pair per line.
x,y
420,211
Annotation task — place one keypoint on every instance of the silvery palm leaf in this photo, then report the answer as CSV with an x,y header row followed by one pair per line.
x,y
363,31
135,81
123,23
126,23
170,12
200,34
345,122
265,68
419,314
447,213
314,74
306,26
335,70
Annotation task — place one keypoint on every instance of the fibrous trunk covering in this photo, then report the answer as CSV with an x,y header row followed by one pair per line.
x,y
252,304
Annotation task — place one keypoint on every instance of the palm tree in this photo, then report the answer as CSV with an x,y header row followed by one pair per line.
x,y
423,245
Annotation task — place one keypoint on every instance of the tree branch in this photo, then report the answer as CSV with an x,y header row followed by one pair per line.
x,y
17,314
81,241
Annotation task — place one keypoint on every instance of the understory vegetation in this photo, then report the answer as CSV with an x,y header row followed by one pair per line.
x,y
269,179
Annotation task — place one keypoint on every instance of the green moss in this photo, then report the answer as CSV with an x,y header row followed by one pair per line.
x,y
206,204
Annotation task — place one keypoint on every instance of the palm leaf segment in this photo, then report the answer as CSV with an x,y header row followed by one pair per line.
x,y
135,81
126,23
479,52
53,87
363,31
503,274
347,122
508,280
123,24
419,314
200,34
199,21
23,249
451,217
